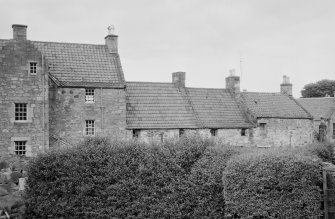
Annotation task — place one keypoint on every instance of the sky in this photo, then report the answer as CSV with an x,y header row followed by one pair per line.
x,y
262,39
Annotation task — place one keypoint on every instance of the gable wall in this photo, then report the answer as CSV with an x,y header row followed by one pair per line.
x,y
68,112
17,85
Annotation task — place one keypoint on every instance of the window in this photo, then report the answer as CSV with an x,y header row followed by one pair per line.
x,y
214,132
262,129
20,112
243,131
136,133
181,132
33,68
20,147
333,130
89,95
89,128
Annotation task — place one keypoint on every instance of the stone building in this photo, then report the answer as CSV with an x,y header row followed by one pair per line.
x,y
56,94
321,108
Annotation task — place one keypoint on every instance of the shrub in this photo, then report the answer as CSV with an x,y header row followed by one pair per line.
x,y
101,179
273,184
323,150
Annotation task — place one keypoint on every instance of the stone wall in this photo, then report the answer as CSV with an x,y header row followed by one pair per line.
x,y
283,132
69,111
17,85
329,123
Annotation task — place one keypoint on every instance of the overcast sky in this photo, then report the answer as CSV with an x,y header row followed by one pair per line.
x,y
204,38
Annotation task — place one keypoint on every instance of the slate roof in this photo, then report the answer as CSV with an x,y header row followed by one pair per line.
x,y
80,65
319,107
274,105
157,106
216,108
163,105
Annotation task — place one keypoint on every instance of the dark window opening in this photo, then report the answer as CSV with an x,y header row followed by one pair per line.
x,y
262,127
243,132
333,130
20,147
33,68
136,133
181,132
214,132
20,111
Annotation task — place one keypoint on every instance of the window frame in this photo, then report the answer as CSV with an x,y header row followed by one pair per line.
x,y
20,148
243,132
89,127
262,129
136,133
214,132
33,68
20,112
181,132
333,130
89,95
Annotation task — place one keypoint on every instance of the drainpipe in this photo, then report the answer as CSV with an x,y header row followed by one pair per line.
x,y
102,111
43,78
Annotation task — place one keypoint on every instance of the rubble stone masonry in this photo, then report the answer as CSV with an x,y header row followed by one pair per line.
x,y
18,85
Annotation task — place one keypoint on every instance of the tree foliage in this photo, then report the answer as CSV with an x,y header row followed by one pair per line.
x,y
319,89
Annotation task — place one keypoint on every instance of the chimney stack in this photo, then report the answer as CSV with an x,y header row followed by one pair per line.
x,y
19,32
178,78
111,40
233,82
286,86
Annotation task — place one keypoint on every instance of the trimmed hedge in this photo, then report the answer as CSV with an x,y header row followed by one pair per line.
x,y
100,179
273,184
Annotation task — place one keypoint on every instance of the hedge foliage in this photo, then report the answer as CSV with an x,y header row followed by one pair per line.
x,y
100,179
273,184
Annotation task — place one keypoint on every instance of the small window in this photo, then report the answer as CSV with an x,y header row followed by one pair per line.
x,y
20,147
33,68
243,131
333,130
262,127
90,128
20,112
136,133
89,95
214,132
181,132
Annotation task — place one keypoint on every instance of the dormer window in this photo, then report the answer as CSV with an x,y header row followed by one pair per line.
x,y
89,96
33,68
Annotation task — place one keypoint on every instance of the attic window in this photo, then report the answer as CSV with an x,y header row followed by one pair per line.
x,y
243,132
214,132
89,95
136,133
33,68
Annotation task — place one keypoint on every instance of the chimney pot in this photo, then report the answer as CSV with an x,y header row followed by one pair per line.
x,y
178,78
233,82
286,86
19,32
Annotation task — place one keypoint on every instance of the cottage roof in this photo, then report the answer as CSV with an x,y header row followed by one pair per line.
x,y
80,65
319,106
274,105
164,105
157,106
216,108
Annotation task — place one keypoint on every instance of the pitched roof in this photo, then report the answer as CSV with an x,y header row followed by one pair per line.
x,y
163,105
273,105
319,106
75,64
157,105
216,108
80,65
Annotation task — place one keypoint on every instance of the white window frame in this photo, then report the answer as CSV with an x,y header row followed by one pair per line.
x,y
89,127
20,148
89,95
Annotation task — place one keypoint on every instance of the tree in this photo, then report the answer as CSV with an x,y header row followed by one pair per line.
x,y
319,89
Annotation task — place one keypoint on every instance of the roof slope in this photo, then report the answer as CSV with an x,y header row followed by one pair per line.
x,y
274,105
319,106
82,64
216,108
157,105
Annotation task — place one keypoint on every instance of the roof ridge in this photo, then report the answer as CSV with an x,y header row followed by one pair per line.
x,y
294,100
244,92
150,82
86,44
204,88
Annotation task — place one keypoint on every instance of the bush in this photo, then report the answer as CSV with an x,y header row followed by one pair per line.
x,y
323,150
273,184
100,179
